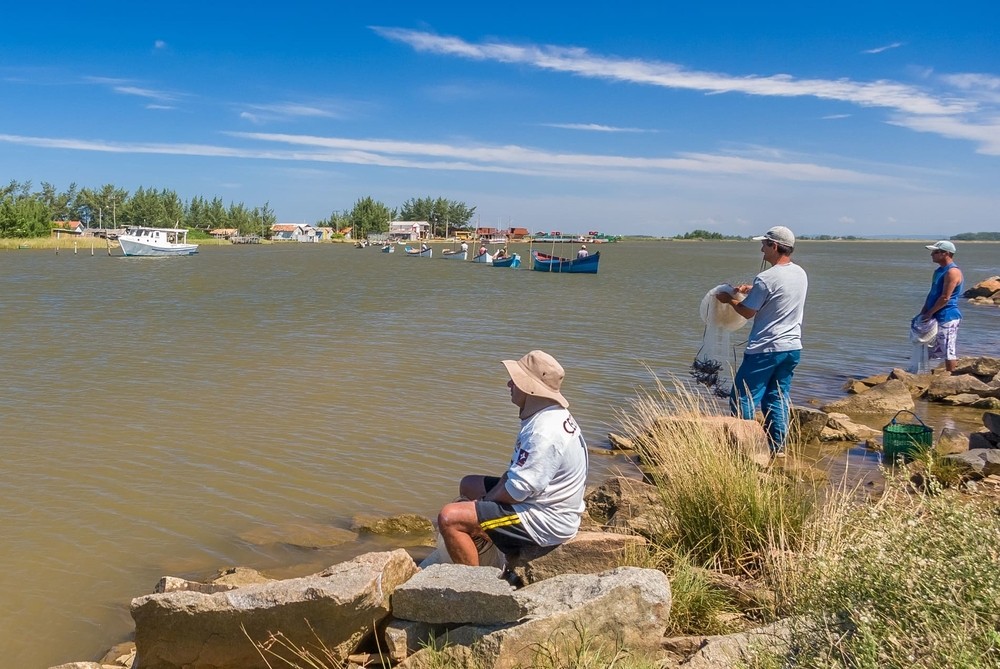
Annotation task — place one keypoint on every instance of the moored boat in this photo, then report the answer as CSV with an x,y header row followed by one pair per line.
x,y
449,254
544,262
509,261
389,248
425,252
484,257
142,241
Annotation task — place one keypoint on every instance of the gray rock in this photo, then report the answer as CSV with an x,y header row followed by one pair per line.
x,y
735,650
885,398
991,421
453,593
627,606
944,385
586,553
336,607
978,462
808,422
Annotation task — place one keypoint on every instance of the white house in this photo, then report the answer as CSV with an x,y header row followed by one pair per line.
x,y
409,230
294,232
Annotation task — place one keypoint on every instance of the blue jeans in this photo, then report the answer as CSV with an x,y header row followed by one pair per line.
x,y
765,380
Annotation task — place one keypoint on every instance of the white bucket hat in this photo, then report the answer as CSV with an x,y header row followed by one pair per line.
x,y
538,374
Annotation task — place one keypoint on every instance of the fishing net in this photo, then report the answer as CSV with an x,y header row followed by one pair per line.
x,y
922,336
714,363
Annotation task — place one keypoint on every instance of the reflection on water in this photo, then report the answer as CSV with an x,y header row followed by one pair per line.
x,y
156,410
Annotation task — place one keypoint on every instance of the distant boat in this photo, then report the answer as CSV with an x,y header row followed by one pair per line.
x,y
449,254
511,261
419,253
389,248
140,241
546,263
484,257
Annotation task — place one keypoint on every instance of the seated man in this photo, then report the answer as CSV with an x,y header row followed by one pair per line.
x,y
539,500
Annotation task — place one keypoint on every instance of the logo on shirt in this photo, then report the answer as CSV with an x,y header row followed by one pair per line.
x,y
522,457
570,426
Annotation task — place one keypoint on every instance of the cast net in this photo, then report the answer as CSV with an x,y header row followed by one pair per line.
x,y
713,365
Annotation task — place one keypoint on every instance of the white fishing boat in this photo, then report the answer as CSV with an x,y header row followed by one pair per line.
x,y
140,241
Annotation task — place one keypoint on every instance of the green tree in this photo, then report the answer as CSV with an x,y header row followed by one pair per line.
x,y
443,215
370,216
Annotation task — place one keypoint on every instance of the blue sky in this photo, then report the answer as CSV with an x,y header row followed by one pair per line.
x,y
629,118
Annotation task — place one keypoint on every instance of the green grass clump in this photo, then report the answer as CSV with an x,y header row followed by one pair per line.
x,y
907,582
723,509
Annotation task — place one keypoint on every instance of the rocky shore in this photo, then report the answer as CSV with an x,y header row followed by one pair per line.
x,y
383,609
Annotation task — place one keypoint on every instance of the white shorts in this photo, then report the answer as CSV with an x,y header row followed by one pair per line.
x,y
945,344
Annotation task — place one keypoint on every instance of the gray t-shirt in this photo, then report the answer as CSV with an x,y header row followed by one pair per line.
x,y
779,297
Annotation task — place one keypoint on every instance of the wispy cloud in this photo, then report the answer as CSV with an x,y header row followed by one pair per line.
x,y
159,45
128,87
833,117
592,127
581,62
880,49
473,158
283,111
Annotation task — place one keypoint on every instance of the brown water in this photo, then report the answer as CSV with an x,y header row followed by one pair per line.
x,y
155,410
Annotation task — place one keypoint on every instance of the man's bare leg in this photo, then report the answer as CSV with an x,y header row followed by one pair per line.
x,y
458,524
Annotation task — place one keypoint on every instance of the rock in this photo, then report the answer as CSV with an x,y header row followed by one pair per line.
x,y
406,523
951,442
626,607
402,638
737,650
983,440
620,443
120,655
988,403
856,387
85,665
963,400
337,607
453,593
239,576
586,553
945,385
985,288
841,424
876,380
744,436
175,584
627,505
747,595
978,462
983,367
885,398
809,422
991,421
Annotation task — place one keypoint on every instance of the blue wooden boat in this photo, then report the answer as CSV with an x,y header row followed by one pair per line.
x,y
512,261
543,262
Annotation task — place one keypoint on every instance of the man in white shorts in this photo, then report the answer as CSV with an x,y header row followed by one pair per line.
x,y
539,500
942,303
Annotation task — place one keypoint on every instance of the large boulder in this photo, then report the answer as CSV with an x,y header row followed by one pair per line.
x,y
809,423
947,385
735,651
985,288
984,367
742,436
991,421
337,607
626,607
885,398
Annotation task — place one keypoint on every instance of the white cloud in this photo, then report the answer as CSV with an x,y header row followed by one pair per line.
x,y
594,127
159,45
833,117
508,159
880,49
985,133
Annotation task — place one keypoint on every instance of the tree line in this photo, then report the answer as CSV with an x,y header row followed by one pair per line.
x,y
25,212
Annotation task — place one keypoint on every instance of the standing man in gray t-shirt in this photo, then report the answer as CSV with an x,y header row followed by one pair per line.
x,y
775,302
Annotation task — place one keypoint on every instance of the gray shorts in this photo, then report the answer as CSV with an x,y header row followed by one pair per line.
x,y
501,523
